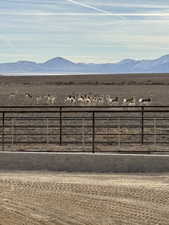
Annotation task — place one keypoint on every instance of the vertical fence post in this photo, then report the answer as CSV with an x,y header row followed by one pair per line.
x,y
155,134
93,132
12,131
47,131
60,125
142,124
119,136
3,130
83,134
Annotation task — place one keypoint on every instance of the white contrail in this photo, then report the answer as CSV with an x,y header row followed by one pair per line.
x,y
121,15
84,5
88,6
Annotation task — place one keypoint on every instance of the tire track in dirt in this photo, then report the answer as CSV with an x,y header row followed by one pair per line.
x,y
68,199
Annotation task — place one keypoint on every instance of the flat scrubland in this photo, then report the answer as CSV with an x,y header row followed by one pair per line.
x,y
36,198
127,85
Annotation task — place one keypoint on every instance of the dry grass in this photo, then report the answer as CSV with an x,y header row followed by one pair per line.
x,y
140,85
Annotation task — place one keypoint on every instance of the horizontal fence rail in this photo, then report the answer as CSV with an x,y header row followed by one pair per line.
x,y
125,129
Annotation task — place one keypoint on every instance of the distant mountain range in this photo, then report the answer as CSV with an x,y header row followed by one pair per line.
x,y
61,65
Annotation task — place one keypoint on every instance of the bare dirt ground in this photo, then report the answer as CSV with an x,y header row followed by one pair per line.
x,y
75,199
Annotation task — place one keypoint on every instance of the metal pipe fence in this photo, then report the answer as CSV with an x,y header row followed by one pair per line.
x,y
126,129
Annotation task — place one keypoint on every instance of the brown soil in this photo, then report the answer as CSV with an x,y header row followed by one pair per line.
x,y
75,199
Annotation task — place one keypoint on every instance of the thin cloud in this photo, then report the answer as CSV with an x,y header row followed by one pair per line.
x,y
129,5
83,14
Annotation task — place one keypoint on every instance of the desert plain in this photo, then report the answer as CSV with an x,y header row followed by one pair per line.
x,y
122,86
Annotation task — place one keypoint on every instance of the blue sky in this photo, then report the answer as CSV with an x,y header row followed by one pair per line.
x,y
83,30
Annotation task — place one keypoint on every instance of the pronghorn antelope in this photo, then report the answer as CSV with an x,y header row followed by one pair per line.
x,y
130,101
38,99
115,100
100,99
28,95
50,99
94,100
70,99
145,100
80,99
87,99
12,95
111,100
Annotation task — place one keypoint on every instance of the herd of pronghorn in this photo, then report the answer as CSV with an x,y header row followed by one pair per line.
x,y
106,100
86,99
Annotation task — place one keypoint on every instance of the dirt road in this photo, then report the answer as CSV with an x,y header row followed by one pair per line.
x,y
76,199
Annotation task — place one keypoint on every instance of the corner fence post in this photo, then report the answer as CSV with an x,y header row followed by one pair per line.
x,y
93,132
142,124
3,130
60,125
